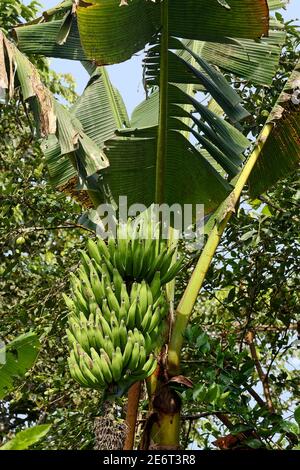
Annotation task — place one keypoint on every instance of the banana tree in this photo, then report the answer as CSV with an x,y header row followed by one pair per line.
x,y
174,149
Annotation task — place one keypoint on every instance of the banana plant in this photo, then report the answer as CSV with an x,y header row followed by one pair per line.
x,y
175,148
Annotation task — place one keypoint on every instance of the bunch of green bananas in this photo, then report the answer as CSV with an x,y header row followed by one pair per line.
x,y
117,310
137,253
113,329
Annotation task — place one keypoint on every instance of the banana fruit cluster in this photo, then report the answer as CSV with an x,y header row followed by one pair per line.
x,y
117,310
137,253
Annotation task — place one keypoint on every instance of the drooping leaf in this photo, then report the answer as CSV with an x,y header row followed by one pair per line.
x,y
130,28
281,152
55,123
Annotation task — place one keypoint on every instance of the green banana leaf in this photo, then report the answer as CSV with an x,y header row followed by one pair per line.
x,y
25,439
55,124
17,357
281,152
251,59
100,111
131,27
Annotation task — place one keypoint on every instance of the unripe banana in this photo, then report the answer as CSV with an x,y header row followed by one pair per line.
x,y
109,347
127,353
134,292
142,358
156,318
103,250
116,366
118,281
149,346
138,337
118,262
105,310
87,374
69,303
115,331
124,296
97,370
112,300
147,319
71,337
94,251
96,285
172,272
129,259
150,366
138,314
155,285
123,334
80,301
137,260
99,338
86,261
106,367
134,359
143,297
76,372
122,312
167,262
131,314
111,247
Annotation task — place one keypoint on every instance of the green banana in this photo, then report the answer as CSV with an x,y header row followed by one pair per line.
x,y
134,292
71,337
143,298
93,251
127,353
123,334
122,312
109,347
115,331
155,285
99,339
112,300
156,318
86,260
147,319
96,285
97,370
142,358
106,367
105,310
117,279
103,250
124,296
116,366
173,271
105,327
131,314
134,359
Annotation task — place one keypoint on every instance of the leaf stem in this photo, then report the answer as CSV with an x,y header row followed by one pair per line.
x,y
189,298
162,138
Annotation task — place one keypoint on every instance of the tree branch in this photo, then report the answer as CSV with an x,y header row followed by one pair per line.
x,y
263,377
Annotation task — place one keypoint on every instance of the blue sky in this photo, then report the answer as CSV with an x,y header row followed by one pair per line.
x,y
127,77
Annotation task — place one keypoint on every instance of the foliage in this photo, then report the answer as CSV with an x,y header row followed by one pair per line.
x,y
250,286
40,241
